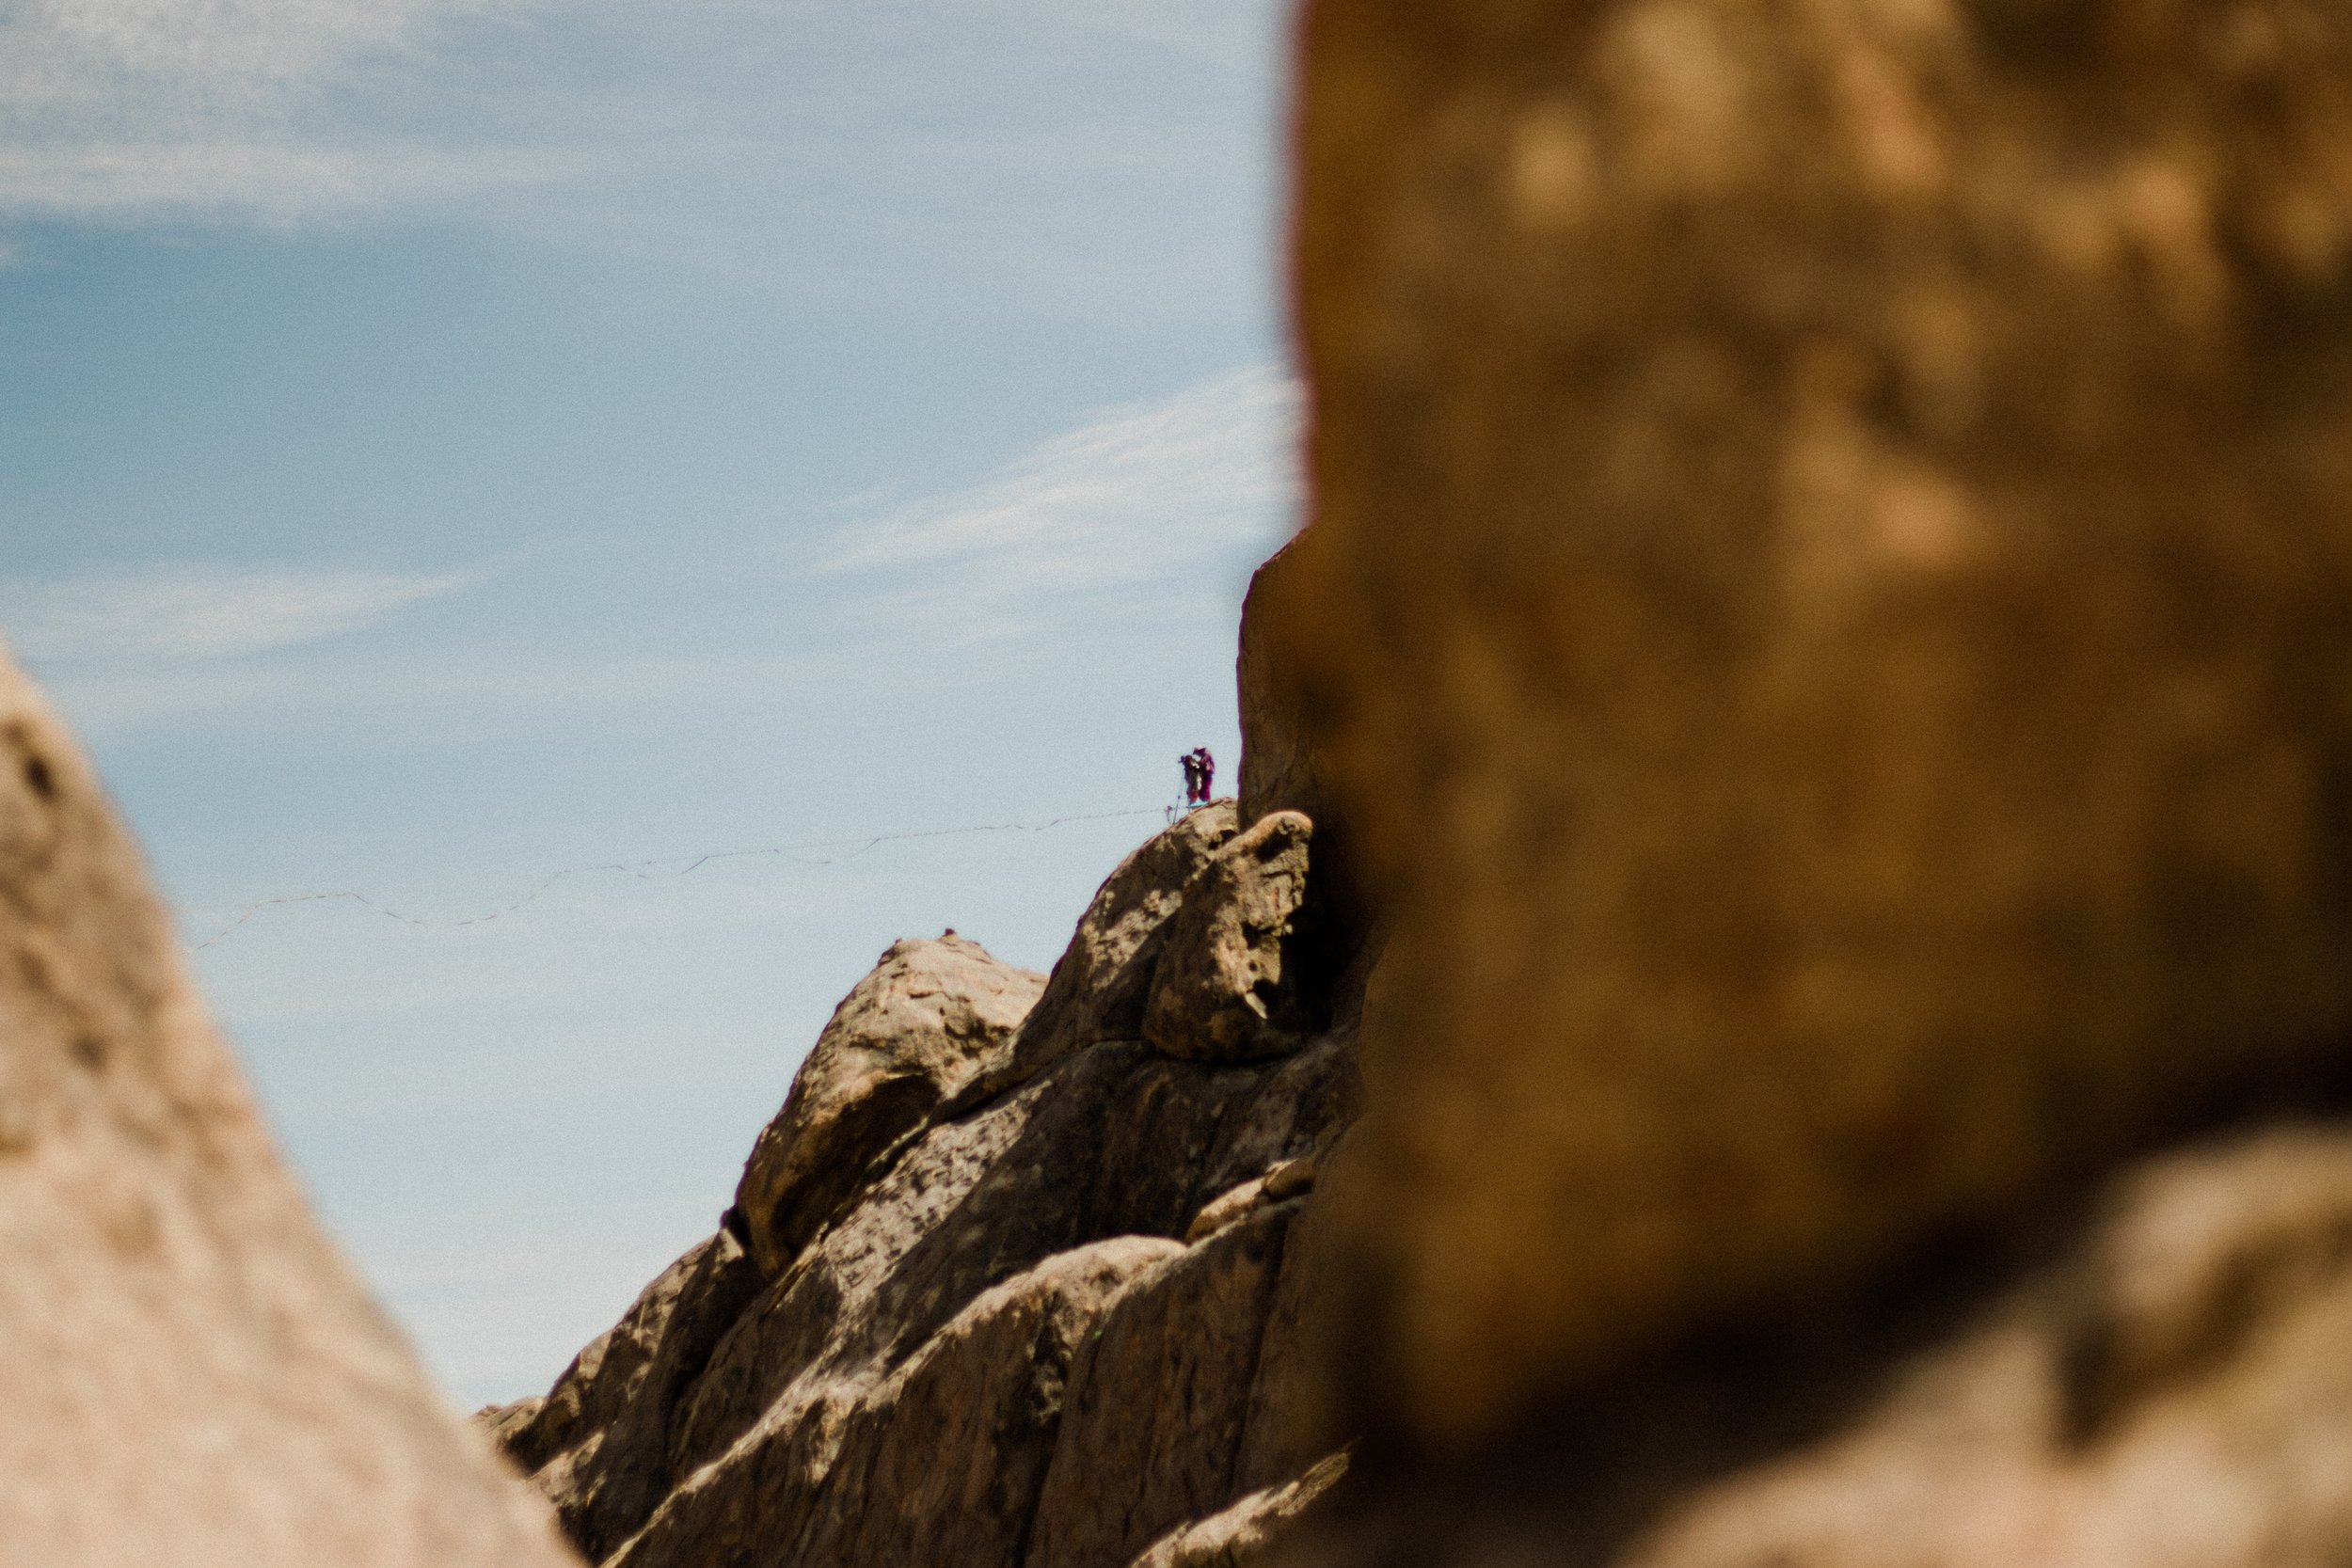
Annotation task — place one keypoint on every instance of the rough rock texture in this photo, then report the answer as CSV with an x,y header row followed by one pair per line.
x,y
1248,1533
1008,1272
1240,979
191,1374
598,1442
1152,1433
922,1025
1829,611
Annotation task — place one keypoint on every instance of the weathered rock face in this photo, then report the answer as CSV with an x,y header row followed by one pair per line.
x,y
1239,978
921,1026
1830,612
1099,988
598,1442
192,1375
1251,1531
1008,1339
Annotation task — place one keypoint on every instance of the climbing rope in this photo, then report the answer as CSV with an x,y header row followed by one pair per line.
x,y
663,870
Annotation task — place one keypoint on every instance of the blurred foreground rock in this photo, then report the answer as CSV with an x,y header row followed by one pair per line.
x,y
192,1376
1829,621
2169,1388
1830,618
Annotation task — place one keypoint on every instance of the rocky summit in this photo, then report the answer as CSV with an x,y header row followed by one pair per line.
x,y
1016,1275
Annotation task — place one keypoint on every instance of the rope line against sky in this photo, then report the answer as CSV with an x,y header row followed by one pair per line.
x,y
658,870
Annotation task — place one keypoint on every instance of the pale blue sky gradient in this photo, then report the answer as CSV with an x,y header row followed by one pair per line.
x,y
447,441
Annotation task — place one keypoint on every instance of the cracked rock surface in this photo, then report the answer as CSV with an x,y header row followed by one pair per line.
x,y
985,1339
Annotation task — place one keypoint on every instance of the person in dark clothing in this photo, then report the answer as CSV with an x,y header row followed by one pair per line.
x,y
1191,763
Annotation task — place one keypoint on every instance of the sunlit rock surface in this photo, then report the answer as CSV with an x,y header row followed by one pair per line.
x,y
1010,1340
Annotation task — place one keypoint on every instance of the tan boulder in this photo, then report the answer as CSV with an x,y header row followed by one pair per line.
x,y
1159,1400
598,1443
1828,612
896,1391
192,1374
1236,981
928,1021
1103,980
1250,1532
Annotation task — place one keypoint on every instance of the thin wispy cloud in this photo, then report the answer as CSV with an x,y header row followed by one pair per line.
x,y
1136,496
120,108
180,615
285,109
80,55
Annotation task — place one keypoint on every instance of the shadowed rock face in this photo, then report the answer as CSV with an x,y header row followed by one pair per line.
x,y
191,1373
1278,769
994,1344
1238,979
598,1442
2170,1388
1830,612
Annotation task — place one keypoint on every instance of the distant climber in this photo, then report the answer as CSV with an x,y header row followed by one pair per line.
x,y
1200,776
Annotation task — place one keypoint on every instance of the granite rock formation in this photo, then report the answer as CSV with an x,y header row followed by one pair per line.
x,y
1239,978
193,1375
1278,769
1004,1334
921,1026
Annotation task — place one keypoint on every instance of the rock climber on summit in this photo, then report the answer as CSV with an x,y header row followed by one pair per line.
x,y
1200,775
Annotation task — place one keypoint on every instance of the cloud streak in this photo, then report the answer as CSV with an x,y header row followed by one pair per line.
x,y
1136,496
160,108
195,614
285,109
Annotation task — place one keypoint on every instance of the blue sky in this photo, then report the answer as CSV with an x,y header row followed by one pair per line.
x,y
446,442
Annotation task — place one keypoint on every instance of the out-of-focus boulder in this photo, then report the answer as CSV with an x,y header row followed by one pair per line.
x,y
929,1018
192,1375
2170,1391
1829,615
1237,978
